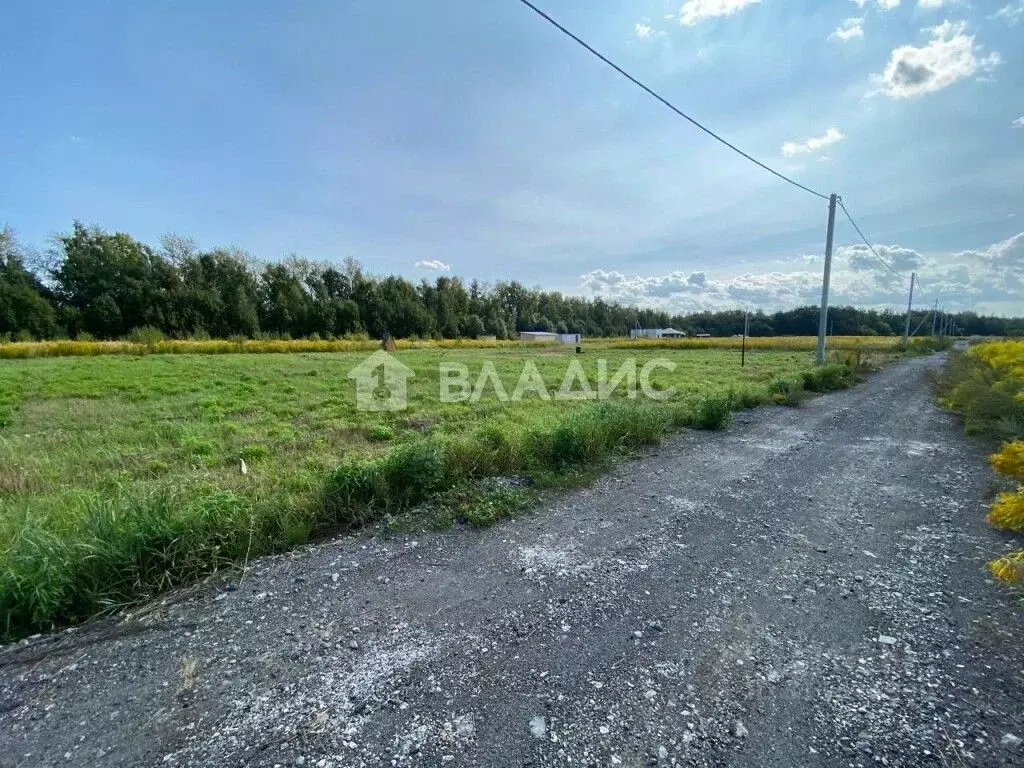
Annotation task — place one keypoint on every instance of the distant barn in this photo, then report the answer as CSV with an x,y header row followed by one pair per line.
x,y
656,333
564,338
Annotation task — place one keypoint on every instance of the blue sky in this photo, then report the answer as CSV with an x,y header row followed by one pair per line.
x,y
471,138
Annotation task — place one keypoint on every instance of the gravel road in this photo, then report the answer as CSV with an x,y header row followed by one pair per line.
x,y
805,588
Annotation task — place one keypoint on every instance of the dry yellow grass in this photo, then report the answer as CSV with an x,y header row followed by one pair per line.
x,y
34,349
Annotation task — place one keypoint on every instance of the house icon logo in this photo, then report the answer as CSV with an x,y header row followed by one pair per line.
x,y
381,383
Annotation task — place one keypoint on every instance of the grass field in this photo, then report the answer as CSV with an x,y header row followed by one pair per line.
x,y
122,475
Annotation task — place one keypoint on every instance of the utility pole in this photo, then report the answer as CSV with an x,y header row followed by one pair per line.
x,y
935,311
910,306
819,355
746,325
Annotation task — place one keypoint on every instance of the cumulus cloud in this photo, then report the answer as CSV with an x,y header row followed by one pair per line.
x,y
860,258
1011,13
992,274
831,136
698,10
950,55
931,5
1019,122
433,264
886,5
1003,260
643,31
849,29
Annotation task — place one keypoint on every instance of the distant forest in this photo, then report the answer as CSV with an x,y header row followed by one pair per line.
x,y
95,284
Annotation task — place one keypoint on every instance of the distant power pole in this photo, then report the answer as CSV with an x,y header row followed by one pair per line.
x,y
910,306
819,355
746,325
935,311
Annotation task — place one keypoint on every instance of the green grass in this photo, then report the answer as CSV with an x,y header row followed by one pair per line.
x,y
121,476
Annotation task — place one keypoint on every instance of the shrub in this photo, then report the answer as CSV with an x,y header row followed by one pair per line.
x,y
985,385
827,378
1008,511
748,398
1010,460
1009,569
147,336
787,392
712,411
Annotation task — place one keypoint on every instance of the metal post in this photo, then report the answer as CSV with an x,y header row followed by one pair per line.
x,y
910,306
743,354
819,355
934,313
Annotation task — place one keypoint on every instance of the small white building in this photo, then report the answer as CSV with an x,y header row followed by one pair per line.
x,y
656,333
563,338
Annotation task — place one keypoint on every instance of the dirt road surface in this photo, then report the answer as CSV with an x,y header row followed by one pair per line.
x,y
806,588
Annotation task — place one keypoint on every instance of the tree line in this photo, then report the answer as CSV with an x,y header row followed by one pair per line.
x,y
96,284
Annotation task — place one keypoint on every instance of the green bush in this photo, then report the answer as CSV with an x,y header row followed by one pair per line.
x,y
990,403
146,335
827,378
713,411
787,392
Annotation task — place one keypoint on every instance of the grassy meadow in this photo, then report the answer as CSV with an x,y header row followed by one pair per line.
x,y
121,475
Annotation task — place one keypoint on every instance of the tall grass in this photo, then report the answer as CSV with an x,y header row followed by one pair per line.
x,y
149,341
100,549
145,342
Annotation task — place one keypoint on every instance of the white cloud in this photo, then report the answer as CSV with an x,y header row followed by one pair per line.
x,y
643,31
951,55
1019,122
698,10
860,258
1011,13
831,136
886,5
849,29
931,5
992,276
433,264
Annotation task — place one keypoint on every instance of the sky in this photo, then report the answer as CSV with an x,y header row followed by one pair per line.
x,y
471,138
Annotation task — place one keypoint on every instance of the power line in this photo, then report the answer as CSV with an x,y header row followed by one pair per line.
x,y
665,101
885,263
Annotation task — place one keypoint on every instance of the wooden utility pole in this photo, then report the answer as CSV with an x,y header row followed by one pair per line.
x,y
819,355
